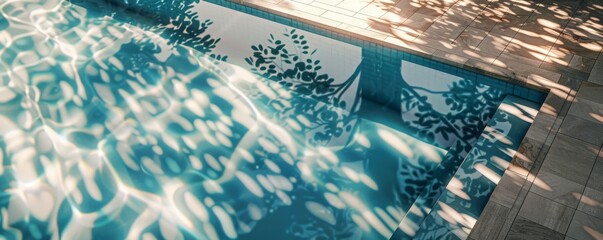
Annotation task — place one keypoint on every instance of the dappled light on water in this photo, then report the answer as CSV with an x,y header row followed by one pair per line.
x,y
114,127
109,126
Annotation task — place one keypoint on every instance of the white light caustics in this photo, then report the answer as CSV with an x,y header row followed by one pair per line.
x,y
107,125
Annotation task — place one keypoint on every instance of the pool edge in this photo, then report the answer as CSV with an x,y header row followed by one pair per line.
x,y
561,92
500,73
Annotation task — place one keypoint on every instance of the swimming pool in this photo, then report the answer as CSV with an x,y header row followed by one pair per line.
x,y
200,120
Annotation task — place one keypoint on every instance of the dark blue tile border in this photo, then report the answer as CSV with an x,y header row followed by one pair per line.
x,y
505,87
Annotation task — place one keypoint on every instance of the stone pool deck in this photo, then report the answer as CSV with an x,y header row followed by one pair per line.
x,y
553,189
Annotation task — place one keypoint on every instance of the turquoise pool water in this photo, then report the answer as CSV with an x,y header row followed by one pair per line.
x,y
192,119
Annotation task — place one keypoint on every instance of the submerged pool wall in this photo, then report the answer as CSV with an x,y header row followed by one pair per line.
x,y
457,196
394,80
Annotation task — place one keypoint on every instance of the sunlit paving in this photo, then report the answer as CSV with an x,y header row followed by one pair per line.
x,y
301,119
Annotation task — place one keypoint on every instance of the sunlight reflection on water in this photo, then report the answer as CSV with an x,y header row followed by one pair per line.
x,y
110,131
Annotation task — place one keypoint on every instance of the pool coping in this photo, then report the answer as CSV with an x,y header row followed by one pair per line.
x,y
529,80
509,196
